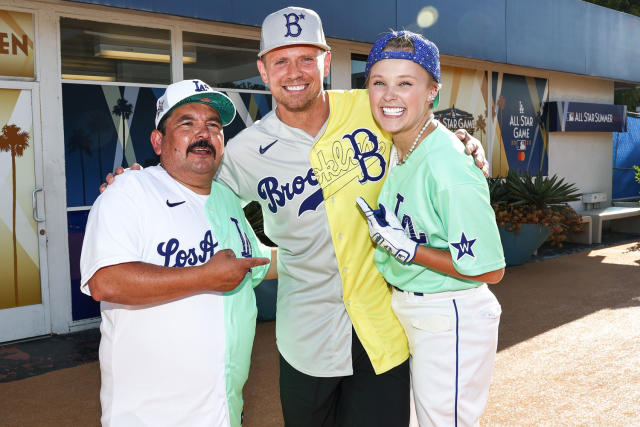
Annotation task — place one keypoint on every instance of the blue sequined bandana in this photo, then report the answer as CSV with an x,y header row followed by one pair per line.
x,y
425,53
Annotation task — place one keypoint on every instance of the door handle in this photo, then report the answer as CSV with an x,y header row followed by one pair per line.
x,y
34,204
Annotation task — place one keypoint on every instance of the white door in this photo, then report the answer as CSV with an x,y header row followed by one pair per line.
x,y
24,294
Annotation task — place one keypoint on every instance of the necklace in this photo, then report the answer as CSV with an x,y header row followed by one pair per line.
x,y
415,142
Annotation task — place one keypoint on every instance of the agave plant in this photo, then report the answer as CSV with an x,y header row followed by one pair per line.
x,y
498,192
526,199
541,191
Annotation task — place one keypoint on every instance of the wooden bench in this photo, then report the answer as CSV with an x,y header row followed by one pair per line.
x,y
624,220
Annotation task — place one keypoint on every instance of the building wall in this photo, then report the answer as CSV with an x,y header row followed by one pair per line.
x,y
582,157
551,34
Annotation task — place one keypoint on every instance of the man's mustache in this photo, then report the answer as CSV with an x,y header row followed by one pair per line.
x,y
202,143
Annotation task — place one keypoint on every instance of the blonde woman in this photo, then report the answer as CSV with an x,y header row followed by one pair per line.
x,y
438,240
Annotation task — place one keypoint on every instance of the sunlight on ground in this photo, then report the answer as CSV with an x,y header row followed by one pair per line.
x,y
627,254
582,372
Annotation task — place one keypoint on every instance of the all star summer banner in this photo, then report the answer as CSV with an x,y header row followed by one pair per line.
x,y
19,262
16,44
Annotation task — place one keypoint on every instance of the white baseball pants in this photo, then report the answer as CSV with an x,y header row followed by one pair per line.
x,y
453,338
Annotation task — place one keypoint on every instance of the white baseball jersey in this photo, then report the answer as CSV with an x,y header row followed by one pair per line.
x,y
168,363
327,281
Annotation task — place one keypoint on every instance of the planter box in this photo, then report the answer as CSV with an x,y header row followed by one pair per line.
x,y
518,246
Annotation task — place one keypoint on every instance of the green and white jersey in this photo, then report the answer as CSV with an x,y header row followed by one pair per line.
x,y
185,361
233,231
442,200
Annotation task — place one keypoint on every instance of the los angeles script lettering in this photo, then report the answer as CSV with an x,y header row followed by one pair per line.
x,y
176,257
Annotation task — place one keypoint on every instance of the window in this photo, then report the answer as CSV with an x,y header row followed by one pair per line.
x,y
358,63
224,62
111,52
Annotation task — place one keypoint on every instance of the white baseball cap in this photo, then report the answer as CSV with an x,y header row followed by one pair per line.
x,y
292,25
188,91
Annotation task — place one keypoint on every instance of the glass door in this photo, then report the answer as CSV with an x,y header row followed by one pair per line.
x,y
24,310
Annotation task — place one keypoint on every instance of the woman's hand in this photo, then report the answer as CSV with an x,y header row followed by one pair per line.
x,y
386,231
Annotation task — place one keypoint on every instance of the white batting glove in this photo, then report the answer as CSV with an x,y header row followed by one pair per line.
x,y
386,231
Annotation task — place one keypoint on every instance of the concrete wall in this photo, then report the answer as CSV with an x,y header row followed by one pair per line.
x,y
552,34
584,158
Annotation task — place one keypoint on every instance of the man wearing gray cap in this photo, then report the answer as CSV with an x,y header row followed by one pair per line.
x,y
343,353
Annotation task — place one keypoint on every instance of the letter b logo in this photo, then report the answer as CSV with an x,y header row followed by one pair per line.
x,y
291,22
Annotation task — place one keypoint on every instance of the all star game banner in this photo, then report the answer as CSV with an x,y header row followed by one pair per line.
x,y
463,101
519,137
16,44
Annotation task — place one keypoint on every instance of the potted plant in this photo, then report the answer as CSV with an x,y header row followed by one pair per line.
x,y
531,210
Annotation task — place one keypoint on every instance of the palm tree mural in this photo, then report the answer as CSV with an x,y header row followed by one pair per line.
x,y
97,124
14,140
123,110
81,142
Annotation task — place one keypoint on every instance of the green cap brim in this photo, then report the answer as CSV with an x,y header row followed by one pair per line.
x,y
218,101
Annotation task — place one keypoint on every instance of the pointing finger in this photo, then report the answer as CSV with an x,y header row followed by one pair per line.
x,y
253,262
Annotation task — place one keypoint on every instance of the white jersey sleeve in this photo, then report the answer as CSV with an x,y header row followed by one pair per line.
x,y
112,232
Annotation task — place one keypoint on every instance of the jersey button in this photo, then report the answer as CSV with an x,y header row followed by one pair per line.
x,y
340,236
345,270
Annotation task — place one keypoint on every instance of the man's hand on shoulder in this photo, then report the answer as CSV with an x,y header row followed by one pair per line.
x,y
111,177
474,147
225,272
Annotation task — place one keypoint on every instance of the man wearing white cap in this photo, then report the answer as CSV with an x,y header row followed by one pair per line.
x,y
343,353
178,308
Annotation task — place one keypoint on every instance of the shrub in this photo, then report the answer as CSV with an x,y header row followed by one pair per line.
x,y
525,199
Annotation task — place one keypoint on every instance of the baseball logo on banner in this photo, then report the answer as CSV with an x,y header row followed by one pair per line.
x,y
519,103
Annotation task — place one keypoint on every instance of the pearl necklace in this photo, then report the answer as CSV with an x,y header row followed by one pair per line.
x,y
413,146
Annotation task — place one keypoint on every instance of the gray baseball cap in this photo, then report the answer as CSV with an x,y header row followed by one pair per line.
x,y
292,25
